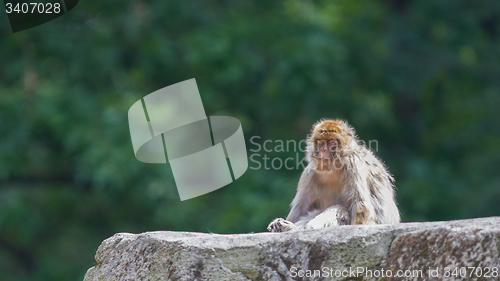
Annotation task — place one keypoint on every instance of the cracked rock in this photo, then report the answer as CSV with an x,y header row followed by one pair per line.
x,y
416,251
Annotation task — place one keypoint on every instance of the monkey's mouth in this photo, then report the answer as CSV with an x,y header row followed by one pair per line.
x,y
326,163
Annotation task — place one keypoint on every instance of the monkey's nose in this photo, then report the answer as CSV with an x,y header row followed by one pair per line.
x,y
324,154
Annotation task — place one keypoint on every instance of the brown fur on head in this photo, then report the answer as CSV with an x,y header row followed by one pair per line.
x,y
328,136
326,129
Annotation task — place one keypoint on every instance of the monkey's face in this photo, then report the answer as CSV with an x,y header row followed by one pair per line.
x,y
325,148
327,138
324,152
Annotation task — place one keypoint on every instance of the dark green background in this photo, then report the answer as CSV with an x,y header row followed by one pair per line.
x,y
420,77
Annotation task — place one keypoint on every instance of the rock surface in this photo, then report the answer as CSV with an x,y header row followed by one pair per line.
x,y
452,250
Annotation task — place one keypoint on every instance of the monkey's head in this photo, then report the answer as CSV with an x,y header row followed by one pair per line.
x,y
327,139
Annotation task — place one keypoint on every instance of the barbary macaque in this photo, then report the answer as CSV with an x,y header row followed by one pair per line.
x,y
344,183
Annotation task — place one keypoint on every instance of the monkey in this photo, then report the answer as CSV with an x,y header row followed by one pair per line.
x,y
344,183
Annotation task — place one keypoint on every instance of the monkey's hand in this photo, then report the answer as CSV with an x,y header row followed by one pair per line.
x,y
281,225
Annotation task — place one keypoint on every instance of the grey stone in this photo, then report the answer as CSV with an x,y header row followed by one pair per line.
x,y
422,251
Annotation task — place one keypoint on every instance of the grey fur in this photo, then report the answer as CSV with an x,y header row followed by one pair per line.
x,y
364,193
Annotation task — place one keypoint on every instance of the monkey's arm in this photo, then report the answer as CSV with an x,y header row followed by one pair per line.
x,y
302,200
335,215
296,212
281,225
299,206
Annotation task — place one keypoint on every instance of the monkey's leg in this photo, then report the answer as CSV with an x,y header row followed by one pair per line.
x,y
361,207
335,215
281,225
363,214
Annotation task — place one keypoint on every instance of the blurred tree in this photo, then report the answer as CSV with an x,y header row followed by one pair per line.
x,y
419,77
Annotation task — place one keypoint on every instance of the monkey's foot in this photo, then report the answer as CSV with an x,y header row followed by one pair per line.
x,y
281,225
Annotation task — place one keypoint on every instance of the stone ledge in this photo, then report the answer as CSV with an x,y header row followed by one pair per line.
x,y
167,255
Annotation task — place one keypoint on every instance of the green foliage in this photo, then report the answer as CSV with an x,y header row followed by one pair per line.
x,y
419,77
